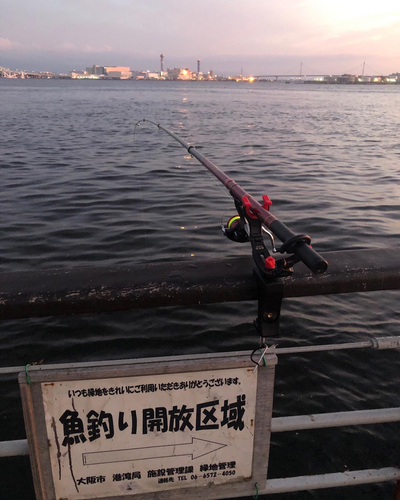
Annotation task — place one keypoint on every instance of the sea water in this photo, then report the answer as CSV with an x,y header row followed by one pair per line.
x,y
78,189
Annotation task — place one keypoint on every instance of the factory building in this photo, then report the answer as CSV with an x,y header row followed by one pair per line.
x,y
118,71
152,75
179,74
138,75
96,70
346,79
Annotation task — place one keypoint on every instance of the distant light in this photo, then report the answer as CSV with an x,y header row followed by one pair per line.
x,y
251,79
182,227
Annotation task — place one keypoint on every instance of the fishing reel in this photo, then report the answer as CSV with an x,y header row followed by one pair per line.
x,y
236,229
245,227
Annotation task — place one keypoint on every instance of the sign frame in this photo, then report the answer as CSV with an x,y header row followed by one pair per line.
x,y
35,424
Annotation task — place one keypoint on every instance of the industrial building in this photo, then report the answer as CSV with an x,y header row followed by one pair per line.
x,y
118,71
179,74
95,70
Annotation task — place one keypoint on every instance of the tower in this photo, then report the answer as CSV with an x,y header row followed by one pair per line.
x,y
162,63
198,67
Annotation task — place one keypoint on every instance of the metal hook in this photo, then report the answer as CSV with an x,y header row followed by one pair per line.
x,y
261,359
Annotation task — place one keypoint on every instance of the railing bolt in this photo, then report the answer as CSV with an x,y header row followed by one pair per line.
x,y
270,316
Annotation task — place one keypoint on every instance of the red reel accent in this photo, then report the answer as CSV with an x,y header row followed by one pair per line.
x,y
247,205
270,263
266,202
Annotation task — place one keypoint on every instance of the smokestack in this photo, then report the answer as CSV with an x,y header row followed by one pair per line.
x,y
198,66
162,63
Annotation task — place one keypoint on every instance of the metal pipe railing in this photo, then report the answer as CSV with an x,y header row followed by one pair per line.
x,y
336,419
96,290
321,481
374,343
15,448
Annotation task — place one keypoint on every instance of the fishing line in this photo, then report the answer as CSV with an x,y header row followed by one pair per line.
x,y
205,169
144,225
209,174
218,184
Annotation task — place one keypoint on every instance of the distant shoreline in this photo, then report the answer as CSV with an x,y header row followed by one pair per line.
x,y
293,82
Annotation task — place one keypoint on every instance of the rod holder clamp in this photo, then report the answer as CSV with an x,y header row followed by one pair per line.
x,y
270,295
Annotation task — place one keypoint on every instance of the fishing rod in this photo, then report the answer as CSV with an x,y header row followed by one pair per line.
x,y
251,221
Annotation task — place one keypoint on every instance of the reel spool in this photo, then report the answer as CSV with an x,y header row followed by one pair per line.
x,y
236,230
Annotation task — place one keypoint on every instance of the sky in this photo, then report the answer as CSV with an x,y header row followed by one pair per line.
x,y
263,37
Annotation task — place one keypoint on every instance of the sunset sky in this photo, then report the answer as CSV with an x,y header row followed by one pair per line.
x,y
262,36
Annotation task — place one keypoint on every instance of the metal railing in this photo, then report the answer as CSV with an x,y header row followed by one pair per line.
x,y
93,290
96,290
287,424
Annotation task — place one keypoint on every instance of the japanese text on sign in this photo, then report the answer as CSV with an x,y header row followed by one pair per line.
x,y
116,437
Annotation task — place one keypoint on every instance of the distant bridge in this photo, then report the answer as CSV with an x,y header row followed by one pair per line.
x,y
11,73
306,72
313,76
291,76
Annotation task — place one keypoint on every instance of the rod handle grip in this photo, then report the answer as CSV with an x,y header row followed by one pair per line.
x,y
312,259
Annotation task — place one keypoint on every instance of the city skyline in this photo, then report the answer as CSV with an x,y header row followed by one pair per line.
x,y
227,35
363,73
302,72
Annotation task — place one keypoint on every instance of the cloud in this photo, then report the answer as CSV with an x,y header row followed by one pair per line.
x,y
374,42
68,47
7,44
96,50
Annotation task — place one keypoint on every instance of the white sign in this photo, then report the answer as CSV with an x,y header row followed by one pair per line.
x,y
131,435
